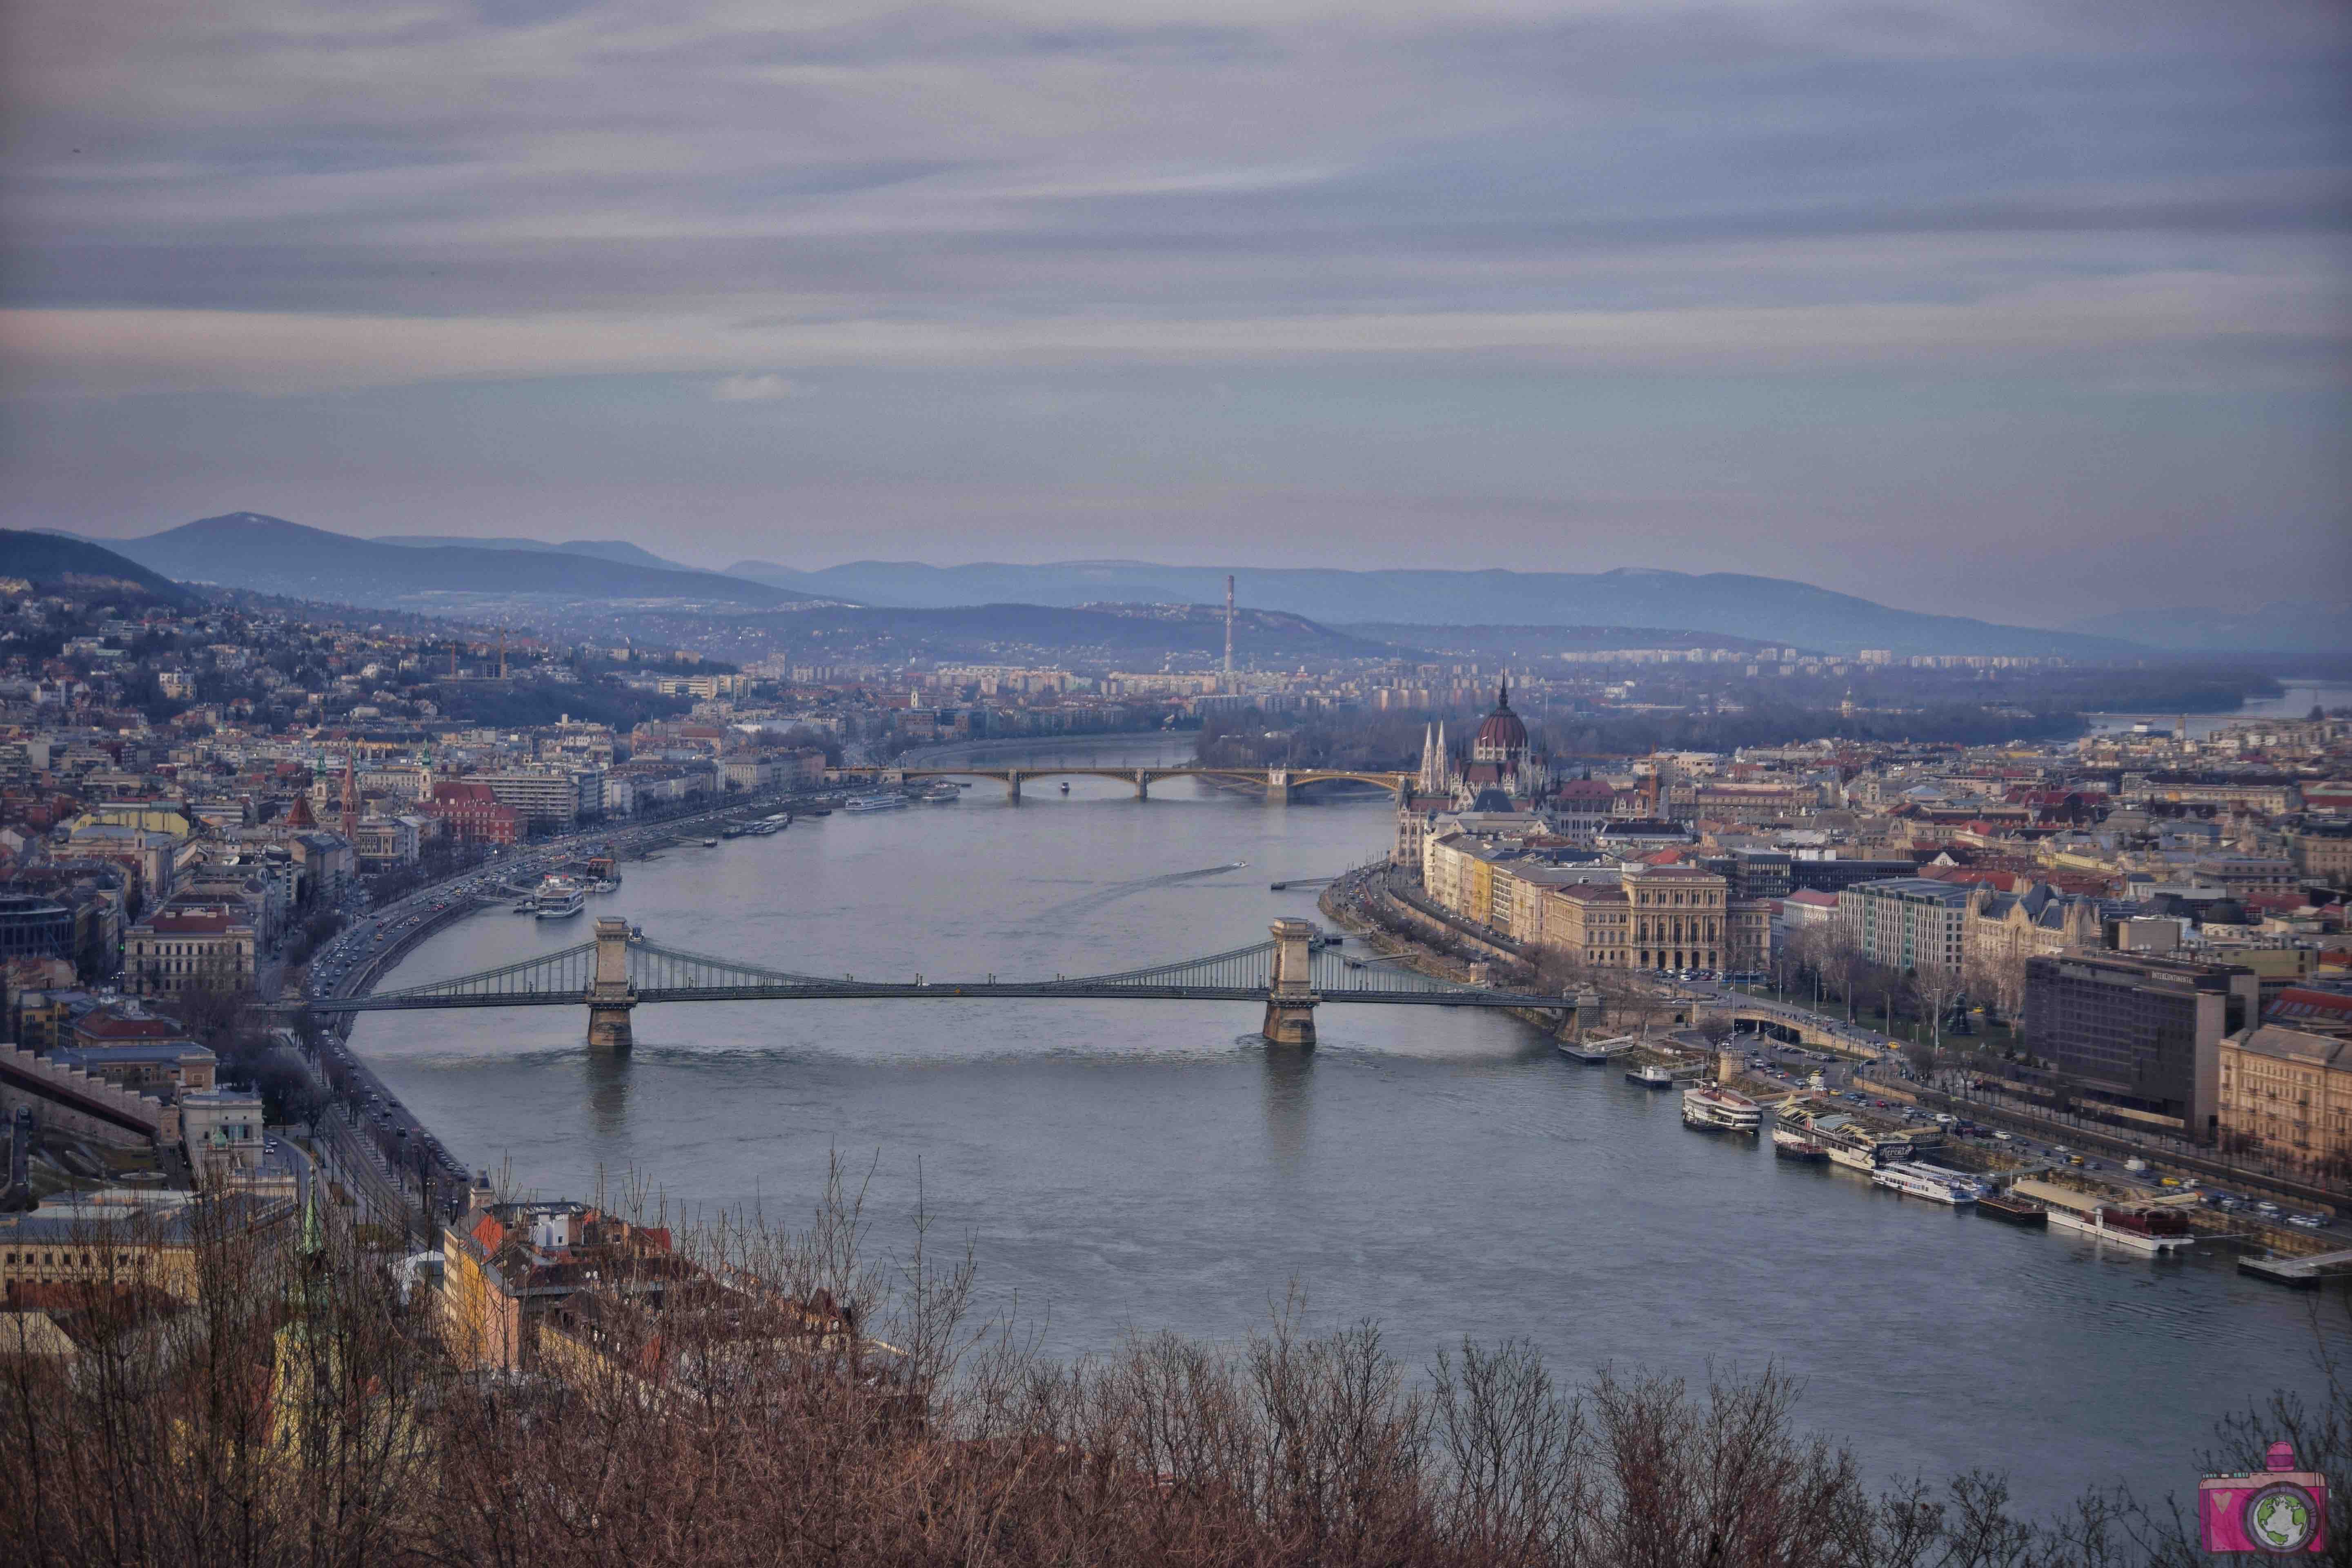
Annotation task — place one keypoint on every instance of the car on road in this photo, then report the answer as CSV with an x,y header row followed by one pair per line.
x,y
2307,1221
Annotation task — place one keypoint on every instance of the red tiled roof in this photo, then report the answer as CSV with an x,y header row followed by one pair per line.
x,y
193,925
2295,1001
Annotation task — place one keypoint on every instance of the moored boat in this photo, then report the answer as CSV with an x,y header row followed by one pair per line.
x,y
2011,1209
558,898
1788,1143
1933,1183
1711,1108
1651,1075
1848,1140
2151,1231
1596,1051
876,800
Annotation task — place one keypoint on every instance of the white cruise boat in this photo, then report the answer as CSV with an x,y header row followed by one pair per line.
x,y
2130,1230
1930,1182
559,898
880,800
1711,1108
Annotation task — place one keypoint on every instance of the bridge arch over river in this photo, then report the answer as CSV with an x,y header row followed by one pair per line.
x,y
1292,972
1281,785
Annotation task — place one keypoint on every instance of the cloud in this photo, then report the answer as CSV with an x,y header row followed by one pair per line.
x,y
1716,213
112,352
755,389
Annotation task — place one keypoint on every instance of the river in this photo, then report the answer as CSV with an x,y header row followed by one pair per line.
x,y
1123,1165
2298,697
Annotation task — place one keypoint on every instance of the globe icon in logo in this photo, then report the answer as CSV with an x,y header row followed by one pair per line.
x,y
2282,1518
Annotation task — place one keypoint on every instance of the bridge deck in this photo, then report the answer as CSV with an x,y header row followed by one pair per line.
x,y
634,971
931,991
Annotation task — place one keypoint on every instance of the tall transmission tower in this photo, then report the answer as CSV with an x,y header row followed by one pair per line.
x,y
1229,632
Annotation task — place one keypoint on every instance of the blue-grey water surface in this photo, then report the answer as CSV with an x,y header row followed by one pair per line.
x,y
1153,1164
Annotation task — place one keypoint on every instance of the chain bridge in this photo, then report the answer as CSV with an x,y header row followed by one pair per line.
x,y
1291,973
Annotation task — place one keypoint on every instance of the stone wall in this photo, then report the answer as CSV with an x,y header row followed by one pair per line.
x,y
69,1097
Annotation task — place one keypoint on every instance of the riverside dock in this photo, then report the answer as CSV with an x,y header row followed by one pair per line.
x,y
2300,1273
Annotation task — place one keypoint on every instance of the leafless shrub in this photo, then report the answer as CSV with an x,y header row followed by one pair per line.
x,y
785,1397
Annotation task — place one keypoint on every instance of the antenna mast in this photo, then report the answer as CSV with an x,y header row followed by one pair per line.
x,y
1229,632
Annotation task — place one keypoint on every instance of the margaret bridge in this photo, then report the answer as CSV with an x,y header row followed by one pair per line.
x,y
1292,972
1281,785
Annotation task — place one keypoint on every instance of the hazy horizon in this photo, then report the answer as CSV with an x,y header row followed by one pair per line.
x,y
2028,313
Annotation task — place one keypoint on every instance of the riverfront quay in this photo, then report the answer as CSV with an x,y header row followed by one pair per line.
x,y
1144,1165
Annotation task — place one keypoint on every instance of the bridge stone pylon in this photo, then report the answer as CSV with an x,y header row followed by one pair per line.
x,y
611,996
1290,999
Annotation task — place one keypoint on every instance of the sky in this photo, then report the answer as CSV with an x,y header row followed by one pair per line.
x,y
2032,309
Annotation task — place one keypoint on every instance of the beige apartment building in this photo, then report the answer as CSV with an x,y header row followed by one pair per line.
x,y
2288,1092
1601,916
183,950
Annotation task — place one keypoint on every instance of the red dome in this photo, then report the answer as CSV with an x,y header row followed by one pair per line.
x,y
1501,732
1503,729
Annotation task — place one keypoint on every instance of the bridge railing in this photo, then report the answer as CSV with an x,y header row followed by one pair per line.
x,y
1240,968
1335,972
567,970
656,968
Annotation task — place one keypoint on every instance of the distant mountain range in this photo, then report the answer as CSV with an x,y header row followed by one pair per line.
x,y
47,560
270,555
2285,626
619,550
267,555
1766,609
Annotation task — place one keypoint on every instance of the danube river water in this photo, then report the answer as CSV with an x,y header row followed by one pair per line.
x,y
1122,1165
2296,699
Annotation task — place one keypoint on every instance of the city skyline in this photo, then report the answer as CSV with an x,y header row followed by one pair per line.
x,y
2047,302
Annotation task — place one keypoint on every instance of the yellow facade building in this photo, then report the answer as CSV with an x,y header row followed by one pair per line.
x,y
2289,1094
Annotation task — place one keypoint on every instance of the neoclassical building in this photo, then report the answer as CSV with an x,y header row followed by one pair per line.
x,y
1656,917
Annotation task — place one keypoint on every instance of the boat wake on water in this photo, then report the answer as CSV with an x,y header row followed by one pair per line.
x,y
1097,899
